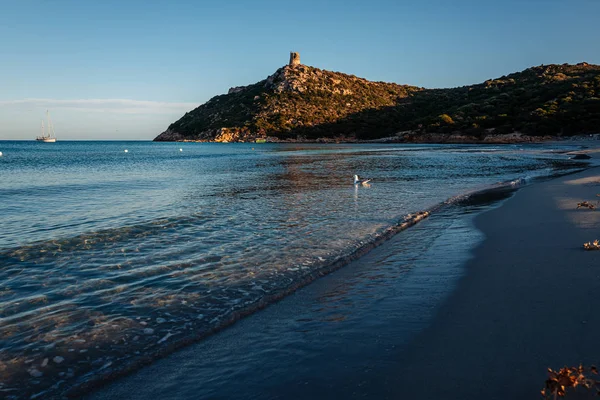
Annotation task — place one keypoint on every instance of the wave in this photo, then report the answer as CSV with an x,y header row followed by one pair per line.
x,y
110,340
235,313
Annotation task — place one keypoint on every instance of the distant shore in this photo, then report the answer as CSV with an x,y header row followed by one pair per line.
x,y
428,138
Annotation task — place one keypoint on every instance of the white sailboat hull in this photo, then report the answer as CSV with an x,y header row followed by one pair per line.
x,y
46,139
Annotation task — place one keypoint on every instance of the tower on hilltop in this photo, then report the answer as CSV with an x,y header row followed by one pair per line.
x,y
294,58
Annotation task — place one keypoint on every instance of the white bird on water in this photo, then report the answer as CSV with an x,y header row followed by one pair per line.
x,y
358,181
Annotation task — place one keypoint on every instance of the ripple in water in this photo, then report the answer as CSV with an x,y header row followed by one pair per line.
x,y
108,259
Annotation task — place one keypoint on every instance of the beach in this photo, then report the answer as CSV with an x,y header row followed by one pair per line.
x,y
524,303
109,290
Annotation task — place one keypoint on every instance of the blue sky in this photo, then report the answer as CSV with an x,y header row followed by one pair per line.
x,y
127,69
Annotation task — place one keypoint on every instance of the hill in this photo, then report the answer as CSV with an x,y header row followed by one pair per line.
x,y
299,102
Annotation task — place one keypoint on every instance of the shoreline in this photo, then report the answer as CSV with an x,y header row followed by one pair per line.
x,y
95,382
516,311
113,369
524,305
428,138
434,340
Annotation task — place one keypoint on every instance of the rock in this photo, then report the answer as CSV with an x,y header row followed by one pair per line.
x,y
148,331
160,320
58,359
35,372
45,362
236,89
169,136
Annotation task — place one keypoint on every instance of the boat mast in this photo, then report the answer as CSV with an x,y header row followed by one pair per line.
x,y
50,127
42,128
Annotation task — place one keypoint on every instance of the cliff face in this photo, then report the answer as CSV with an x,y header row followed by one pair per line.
x,y
305,102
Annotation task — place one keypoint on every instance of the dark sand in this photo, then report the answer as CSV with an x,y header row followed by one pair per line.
x,y
526,302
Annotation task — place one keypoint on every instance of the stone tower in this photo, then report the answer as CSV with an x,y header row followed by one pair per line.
x,y
294,58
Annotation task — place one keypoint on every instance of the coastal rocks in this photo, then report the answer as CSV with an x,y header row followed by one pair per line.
x,y
225,135
169,136
58,359
457,137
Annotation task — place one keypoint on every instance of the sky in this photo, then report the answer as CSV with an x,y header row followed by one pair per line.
x,y
125,70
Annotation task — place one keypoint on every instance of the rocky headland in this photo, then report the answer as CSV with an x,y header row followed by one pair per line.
x,y
299,103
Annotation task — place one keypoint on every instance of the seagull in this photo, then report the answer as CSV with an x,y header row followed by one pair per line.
x,y
364,182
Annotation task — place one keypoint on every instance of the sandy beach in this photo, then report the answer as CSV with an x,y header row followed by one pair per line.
x,y
525,303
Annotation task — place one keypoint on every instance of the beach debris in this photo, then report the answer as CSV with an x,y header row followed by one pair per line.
x,y
569,377
585,204
595,245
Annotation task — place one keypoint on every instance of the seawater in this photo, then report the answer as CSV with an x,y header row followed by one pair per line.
x,y
108,257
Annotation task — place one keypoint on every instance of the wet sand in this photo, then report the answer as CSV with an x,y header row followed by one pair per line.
x,y
527,302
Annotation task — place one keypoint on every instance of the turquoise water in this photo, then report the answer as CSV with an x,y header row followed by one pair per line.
x,y
107,257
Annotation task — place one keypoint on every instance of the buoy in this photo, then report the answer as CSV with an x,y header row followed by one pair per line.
x,y
0,154
180,149
126,151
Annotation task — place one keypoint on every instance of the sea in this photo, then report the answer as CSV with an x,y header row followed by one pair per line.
x,y
116,254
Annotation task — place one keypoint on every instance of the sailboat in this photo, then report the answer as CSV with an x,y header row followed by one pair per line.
x,y
50,137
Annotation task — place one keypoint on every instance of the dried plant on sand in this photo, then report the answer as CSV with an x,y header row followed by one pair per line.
x,y
560,381
595,245
585,204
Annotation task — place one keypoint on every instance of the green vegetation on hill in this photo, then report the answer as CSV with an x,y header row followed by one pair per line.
x,y
312,103
544,100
